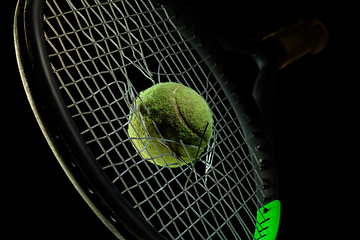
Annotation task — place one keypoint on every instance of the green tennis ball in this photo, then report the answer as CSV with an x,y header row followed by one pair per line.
x,y
172,113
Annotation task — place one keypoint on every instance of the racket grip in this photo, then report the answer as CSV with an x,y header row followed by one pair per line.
x,y
303,37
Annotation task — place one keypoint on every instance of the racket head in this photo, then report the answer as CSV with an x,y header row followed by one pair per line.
x,y
78,160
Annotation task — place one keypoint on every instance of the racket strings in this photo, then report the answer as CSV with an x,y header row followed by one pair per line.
x,y
103,53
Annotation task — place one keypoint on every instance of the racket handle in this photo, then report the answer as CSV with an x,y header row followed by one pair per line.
x,y
303,37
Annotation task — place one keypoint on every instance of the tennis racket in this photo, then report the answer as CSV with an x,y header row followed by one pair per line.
x,y
83,63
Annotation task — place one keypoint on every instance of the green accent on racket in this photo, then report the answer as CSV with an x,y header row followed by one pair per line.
x,y
268,221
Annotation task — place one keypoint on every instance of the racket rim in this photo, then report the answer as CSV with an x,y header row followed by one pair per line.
x,y
31,21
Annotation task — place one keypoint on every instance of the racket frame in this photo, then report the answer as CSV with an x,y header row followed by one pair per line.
x,y
69,147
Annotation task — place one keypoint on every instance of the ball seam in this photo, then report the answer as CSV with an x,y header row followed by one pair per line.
x,y
181,116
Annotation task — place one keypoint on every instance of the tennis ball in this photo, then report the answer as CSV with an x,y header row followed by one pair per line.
x,y
171,113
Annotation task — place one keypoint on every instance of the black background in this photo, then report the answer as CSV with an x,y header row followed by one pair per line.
x,y
43,203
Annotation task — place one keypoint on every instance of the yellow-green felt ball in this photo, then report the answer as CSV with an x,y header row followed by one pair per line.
x,y
172,113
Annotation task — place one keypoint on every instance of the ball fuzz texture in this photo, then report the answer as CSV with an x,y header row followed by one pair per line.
x,y
172,113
